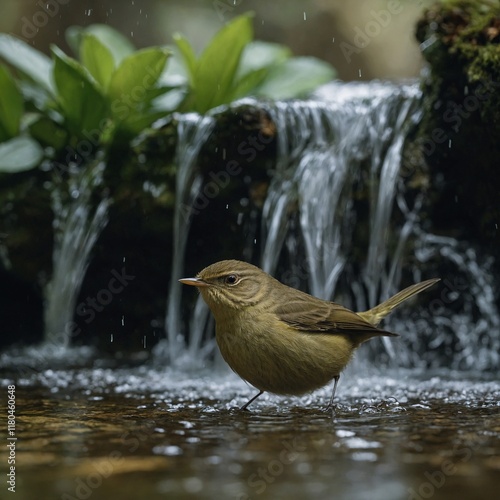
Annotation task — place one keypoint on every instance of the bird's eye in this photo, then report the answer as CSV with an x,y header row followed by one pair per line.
x,y
231,279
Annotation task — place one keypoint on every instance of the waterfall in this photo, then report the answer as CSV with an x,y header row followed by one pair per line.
x,y
338,208
328,149
350,140
192,132
464,321
77,225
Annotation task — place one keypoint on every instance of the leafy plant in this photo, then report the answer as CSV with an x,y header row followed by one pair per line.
x,y
110,91
246,68
16,153
104,96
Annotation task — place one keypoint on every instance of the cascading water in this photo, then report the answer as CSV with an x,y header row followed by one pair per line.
x,y
328,148
343,146
350,142
77,225
192,132
356,128
468,336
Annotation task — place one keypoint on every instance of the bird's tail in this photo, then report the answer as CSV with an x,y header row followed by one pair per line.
x,y
378,313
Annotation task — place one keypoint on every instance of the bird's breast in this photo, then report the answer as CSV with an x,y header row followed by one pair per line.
x,y
274,357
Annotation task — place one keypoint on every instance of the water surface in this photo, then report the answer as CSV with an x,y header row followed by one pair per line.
x,y
154,433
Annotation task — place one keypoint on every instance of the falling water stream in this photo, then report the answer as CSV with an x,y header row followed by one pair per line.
x,y
192,132
321,162
77,225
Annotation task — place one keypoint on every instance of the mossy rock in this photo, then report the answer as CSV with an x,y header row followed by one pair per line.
x,y
460,132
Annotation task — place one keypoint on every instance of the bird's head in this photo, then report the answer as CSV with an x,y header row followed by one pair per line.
x,y
230,284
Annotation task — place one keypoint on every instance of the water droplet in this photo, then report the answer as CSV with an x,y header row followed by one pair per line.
x,y
167,450
111,338
305,17
123,320
333,40
344,433
359,72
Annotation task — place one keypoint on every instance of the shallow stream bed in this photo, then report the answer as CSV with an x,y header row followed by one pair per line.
x,y
153,433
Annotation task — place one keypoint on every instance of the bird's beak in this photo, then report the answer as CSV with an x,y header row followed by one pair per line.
x,y
194,282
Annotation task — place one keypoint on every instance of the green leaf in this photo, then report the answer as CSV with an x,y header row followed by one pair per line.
x,y
217,65
170,101
48,133
27,60
11,105
20,154
175,73
97,58
119,46
81,102
134,82
74,35
257,60
137,122
249,83
296,77
34,94
188,56
258,55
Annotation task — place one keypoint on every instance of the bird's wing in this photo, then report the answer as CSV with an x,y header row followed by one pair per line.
x,y
320,316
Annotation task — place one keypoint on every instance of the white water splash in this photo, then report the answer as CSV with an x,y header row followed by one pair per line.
x,y
77,225
193,130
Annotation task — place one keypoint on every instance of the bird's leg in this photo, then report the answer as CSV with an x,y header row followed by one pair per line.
x,y
330,405
244,407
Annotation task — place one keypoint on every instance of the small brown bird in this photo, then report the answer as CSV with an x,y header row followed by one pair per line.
x,y
280,339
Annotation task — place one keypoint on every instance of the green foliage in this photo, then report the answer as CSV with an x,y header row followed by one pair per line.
x,y
119,46
287,80
109,91
19,154
247,68
11,106
30,62
98,59
80,100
